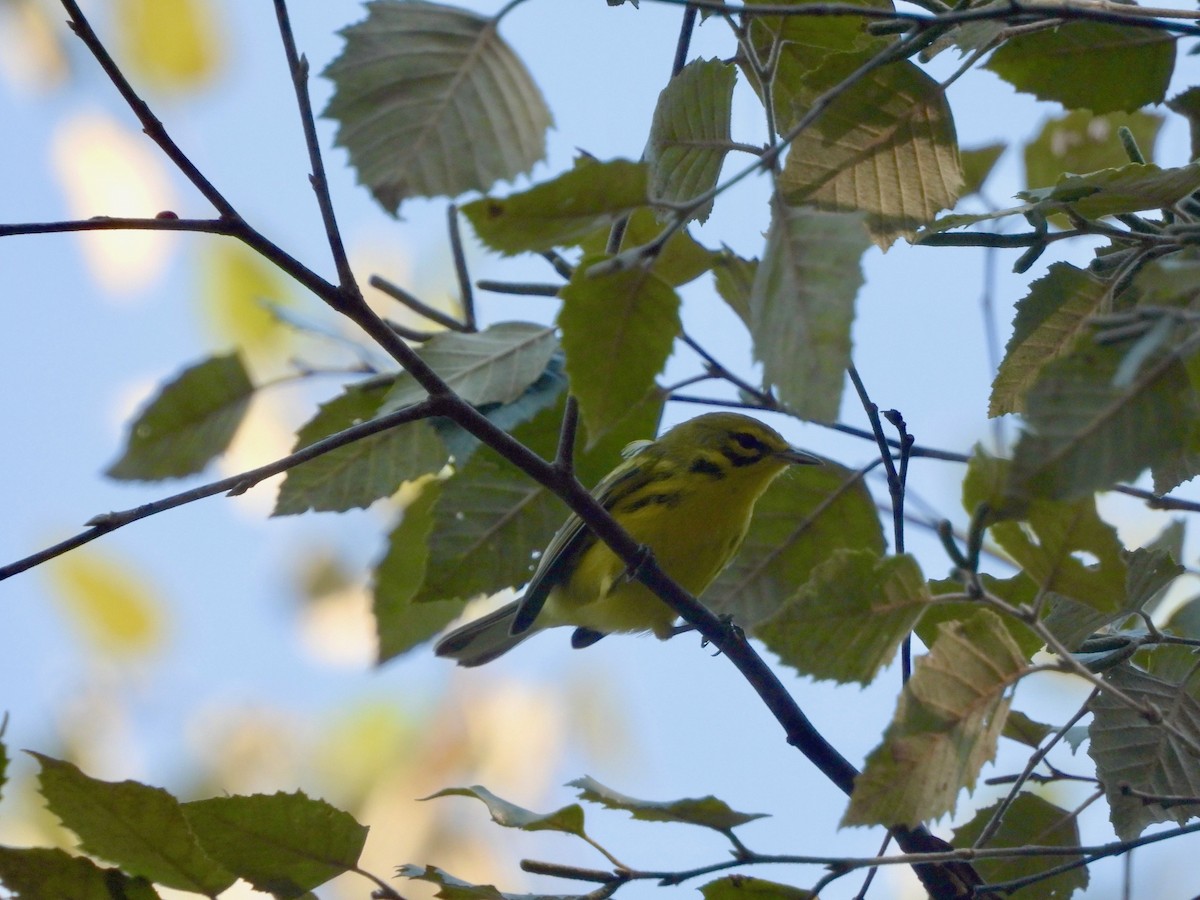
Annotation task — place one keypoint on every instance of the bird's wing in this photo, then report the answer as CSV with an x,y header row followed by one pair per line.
x,y
573,538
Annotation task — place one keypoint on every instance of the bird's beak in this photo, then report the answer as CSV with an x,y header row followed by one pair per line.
x,y
799,457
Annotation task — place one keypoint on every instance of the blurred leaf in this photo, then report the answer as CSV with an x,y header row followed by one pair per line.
x,y
1049,321
568,819
977,165
1030,821
191,419
847,621
617,331
142,829
1083,142
1085,433
357,474
802,306
114,605
689,135
451,888
238,289
495,365
562,211
805,516
1185,620
285,844
886,147
707,812
680,260
1016,591
490,518
947,723
1153,757
171,44
747,887
400,623
1133,187
43,873
1024,730
1187,104
734,280
431,102
1089,65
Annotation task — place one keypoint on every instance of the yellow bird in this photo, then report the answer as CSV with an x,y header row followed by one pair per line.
x,y
687,496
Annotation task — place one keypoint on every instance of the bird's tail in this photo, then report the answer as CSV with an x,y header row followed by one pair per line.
x,y
484,639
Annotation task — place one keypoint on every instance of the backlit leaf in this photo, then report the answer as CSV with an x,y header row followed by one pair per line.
x,y
1133,187
1083,142
50,873
707,812
238,290
173,45
115,605
568,819
748,887
430,101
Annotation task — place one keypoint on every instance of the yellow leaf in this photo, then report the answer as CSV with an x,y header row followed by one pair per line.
x,y
173,44
114,606
237,289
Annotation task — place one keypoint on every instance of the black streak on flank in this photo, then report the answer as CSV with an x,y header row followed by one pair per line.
x,y
702,466
663,499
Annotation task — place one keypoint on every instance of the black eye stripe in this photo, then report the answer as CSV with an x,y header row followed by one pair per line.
x,y
749,441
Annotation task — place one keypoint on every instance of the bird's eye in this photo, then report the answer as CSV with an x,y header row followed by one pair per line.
x,y
748,441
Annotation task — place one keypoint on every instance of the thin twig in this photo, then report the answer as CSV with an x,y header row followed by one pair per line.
x,y
466,295
564,459
524,288
418,306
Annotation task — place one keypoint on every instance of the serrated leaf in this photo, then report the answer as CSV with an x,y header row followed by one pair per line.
x,y
617,332
1155,758
689,134
568,819
44,873
357,474
886,147
847,621
562,211
490,518
1083,142
707,812
1030,820
1016,591
747,887
285,844
114,605
946,726
1024,730
1049,321
1131,188
806,515
189,421
140,828
733,278
495,365
977,165
400,623
451,888
802,306
1089,65
430,101
1086,433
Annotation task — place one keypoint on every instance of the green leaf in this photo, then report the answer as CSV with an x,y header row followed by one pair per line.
x,y
431,102
285,844
1089,65
733,277
707,812
977,165
357,474
680,260
1049,321
1187,104
190,420
142,829
617,331
747,887
802,306
689,135
1016,591
1083,142
1086,433
847,621
1154,758
885,147
568,819
1034,821
947,723
451,888
562,211
806,515
1024,730
43,873
1131,188
400,623
495,365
